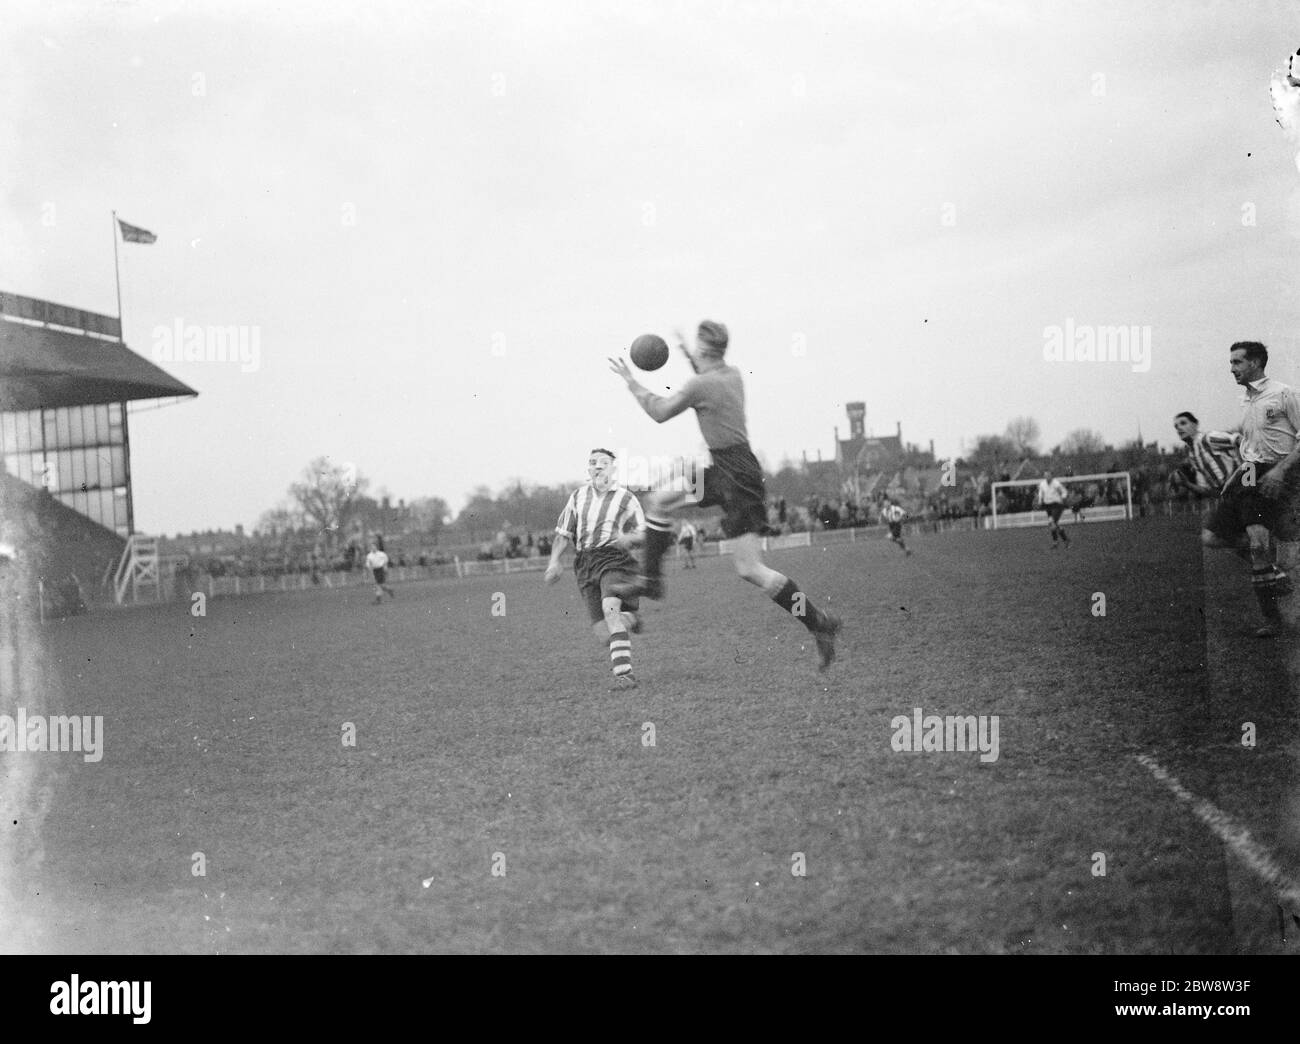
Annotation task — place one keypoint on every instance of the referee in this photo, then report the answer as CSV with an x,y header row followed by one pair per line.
x,y
1262,496
594,520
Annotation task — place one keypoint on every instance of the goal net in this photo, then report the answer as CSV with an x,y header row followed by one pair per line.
x,y
1088,498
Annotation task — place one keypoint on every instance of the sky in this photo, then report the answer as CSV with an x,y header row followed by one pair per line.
x,y
436,221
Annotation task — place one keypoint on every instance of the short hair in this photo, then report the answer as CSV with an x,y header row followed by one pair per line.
x,y
1188,414
714,335
1255,351
607,453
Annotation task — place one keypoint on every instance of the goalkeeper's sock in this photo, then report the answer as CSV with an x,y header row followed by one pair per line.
x,y
796,603
658,539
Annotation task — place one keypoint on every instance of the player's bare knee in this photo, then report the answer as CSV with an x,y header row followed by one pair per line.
x,y
754,571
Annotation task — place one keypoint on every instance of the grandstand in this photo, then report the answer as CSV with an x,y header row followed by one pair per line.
x,y
66,377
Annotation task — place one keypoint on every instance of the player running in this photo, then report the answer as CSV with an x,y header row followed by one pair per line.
x,y
1212,459
1262,496
1051,495
894,514
377,563
594,521
734,481
686,537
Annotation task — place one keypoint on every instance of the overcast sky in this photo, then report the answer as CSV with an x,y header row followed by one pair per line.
x,y
440,218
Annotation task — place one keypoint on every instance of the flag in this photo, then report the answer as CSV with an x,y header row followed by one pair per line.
x,y
131,234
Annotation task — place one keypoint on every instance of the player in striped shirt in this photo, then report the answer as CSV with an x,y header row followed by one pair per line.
x,y
894,514
1212,460
1211,456
596,520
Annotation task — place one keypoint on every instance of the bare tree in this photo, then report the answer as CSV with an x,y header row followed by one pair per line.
x,y
992,453
326,494
1023,433
1082,440
281,519
430,515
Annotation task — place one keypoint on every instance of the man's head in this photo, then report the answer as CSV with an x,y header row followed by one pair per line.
x,y
1047,474
711,341
1186,425
1247,359
600,468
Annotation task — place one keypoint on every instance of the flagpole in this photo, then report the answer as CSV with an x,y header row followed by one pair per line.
x,y
117,273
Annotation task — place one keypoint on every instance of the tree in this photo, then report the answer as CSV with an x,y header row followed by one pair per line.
x,y
1023,433
279,521
430,515
480,516
993,454
1082,440
327,493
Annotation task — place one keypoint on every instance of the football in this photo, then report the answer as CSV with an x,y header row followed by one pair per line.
x,y
649,351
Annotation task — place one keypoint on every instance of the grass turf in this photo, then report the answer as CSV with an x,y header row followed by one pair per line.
x,y
480,734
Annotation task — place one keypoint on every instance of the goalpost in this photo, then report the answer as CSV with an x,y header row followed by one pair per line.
x,y
1096,498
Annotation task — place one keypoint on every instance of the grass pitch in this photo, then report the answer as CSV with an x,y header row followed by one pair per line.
x,y
490,743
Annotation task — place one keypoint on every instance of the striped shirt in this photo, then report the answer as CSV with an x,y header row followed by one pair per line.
x,y
1213,464
1270,419
893,513
593,519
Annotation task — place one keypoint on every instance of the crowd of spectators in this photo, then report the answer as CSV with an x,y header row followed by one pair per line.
x,y
970,498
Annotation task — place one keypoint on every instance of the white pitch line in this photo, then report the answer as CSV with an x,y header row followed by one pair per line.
x,y
1234,835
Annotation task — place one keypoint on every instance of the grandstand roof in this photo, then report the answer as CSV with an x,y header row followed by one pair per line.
x,y
45,367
